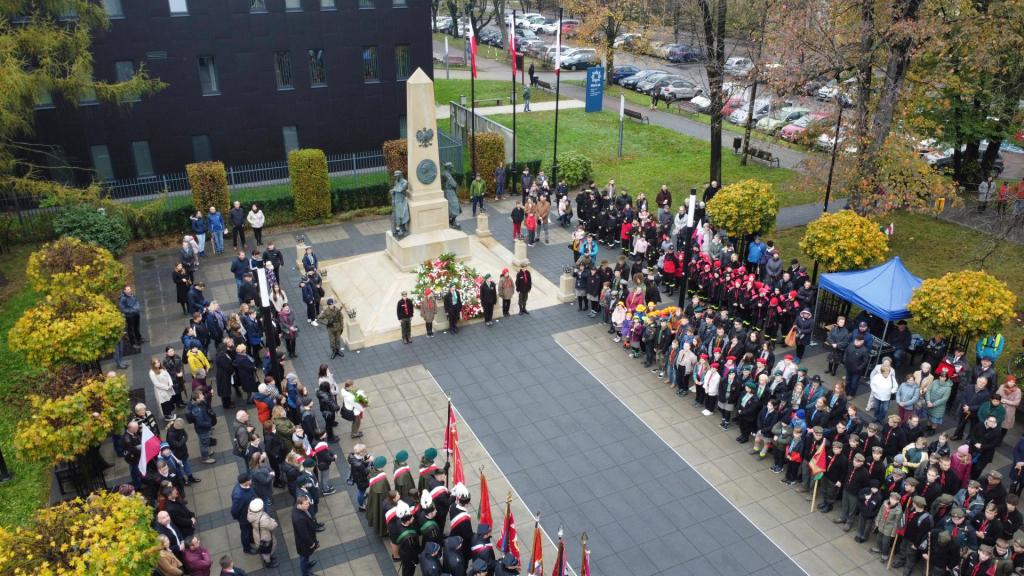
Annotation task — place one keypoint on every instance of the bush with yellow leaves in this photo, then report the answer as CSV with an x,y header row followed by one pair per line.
x,y
966,303
62,428
102,535
70,264
745,208
71,326
844,240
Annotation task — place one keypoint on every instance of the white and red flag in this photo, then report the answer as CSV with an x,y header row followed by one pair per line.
x,y
149,448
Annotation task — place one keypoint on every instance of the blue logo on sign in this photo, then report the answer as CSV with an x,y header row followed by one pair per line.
x,y
595,88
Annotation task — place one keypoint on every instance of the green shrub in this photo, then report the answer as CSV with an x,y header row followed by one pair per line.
x,y
311,185
209,183
574,168
93,225
69,264
490,153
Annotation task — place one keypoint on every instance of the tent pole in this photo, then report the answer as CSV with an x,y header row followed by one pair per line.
x,y
885,332
817,300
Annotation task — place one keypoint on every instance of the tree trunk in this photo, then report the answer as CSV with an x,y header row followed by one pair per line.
x,y
750,121
716,118
677,20
609,50
499,16
867,40
453,11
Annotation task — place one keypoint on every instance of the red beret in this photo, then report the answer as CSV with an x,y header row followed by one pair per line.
x,y
773,302
789,356
703,356
714,364
792,293
730,359
716,350
762,360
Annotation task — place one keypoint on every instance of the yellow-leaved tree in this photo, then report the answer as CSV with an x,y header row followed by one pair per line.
x,y
962,304
71,326
745,208
104,534
844,240
70,264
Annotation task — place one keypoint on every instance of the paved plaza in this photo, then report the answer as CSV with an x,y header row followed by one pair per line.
x,y
551,409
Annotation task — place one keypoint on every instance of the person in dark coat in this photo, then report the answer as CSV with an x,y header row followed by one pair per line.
x,y
454,561
855,360
305,529
482,550
241,495
224,364
405,311
430,559
453,301
524,283
245,371
488,298
748,411
868,502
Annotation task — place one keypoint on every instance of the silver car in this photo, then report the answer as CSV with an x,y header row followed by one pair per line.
x,y
644,86
679,90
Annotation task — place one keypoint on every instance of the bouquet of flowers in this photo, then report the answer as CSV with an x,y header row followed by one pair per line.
x,y
361,399
444,271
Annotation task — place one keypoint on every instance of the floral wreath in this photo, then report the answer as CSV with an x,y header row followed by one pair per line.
x,y
444,271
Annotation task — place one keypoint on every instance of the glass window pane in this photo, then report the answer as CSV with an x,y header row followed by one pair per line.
x,y
143,161
44,99
208,75
398,3
371,69
317,70
57,162
87,97
327,5
113,8
101,162
257,5
201,149
283,70
179,6
124,70
292,5
403,63
366,4
291,139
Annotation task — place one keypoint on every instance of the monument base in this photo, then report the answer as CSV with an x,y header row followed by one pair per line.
x,y
413,250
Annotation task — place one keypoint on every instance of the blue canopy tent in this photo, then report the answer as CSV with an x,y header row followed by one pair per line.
x,y
884,291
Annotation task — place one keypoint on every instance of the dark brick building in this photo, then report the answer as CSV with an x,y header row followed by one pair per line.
x,y
248,80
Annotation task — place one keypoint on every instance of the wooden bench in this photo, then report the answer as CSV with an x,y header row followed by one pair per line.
x,y
497,101
636,116
453,59
764,157
544,85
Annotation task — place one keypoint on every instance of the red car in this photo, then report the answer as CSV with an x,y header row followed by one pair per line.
x,y
793,131
732,104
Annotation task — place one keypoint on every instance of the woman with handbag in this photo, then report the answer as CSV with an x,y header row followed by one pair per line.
x,y
263,526
350,409
289,332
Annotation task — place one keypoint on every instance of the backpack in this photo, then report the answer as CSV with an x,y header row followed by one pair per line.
x,y
189,416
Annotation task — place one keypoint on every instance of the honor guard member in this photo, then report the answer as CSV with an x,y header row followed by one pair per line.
x,y
403,534
402,479
427,467
439,494
431,528
460,520
390,506
332,318
478,568
453,560
482,550
430,559
508,566
376,494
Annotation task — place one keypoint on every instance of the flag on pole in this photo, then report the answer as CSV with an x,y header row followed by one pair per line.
x,y
585,566
536,567
512,45
484,516
472,47
558,48
458,476
451,444
509,541
817,463
450,429
560,568
149,448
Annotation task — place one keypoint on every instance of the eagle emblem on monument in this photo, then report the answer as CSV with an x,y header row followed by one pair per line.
x,y
424,136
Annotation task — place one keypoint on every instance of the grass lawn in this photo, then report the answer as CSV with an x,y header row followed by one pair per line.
x,y
449,90
29,488
652,155
930,248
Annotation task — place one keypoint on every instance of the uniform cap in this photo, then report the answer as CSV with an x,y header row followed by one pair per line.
x,y
330,301
858,457
959,513
401,457
380,462
430,453
995,474
308,463
919,501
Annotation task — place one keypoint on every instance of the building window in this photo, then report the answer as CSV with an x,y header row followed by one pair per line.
x,y
208,76
178,7
371,66
398,4
101,162
283,70
57,162
124,70
293,5
327,5
366,5
143,161
403,63
402,127
201,149
44,99
317,71
88,97
291,139
257,6
113,8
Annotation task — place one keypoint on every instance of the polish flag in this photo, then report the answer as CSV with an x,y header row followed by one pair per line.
x,y
472,47
512,45
585,569
451,444
560,569
149,448
485,503
558,49
509,541
536,567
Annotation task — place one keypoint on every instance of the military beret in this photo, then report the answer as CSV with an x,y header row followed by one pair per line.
x,y
380,462
479,565
1018,538
483,528
996,474
401,457
430,453
974,484
858,457
818,430
910,481
920,501
957,513
308,463
802,369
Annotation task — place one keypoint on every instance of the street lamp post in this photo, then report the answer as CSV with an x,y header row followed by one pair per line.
x,y
687,246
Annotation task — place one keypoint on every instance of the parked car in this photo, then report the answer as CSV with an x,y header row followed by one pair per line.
x,y
943,159
632,81
738,66
522,35
629,41
780,117
681,53
442,23
646,86
762,108
535,22
791,132
549,27
619,73
569,27
658,49
490,36
811,86
680,90
701,103
732,104
524,19
580,59
827,140
830,89
549,54
532,47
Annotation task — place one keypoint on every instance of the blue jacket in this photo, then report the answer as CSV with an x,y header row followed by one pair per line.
x,y
990,346
308,293
754,251
128,305
196,302
310,262
216,222
239,268
240,499
907,394
189,341
253,332
199,225
200,417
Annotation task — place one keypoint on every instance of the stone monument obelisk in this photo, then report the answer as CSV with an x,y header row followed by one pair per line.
x,y
429,234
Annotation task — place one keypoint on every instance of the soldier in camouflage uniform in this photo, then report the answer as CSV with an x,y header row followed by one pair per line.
x,y
332,318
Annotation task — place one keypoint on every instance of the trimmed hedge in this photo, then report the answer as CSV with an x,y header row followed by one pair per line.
x,y
490,153
93,225
311,185
396,156
516,171
209,183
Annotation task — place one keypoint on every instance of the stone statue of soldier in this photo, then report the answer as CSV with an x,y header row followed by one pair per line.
x,y
450,194
400,205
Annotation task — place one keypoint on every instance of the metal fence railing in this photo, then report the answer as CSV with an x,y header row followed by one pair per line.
x,y
460,119
450,150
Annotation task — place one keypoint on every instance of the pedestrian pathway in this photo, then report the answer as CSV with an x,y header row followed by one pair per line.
x,y
444,111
